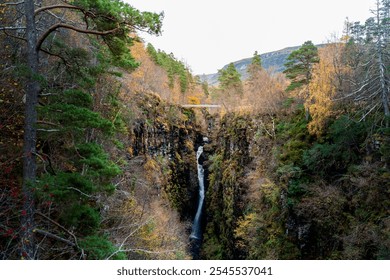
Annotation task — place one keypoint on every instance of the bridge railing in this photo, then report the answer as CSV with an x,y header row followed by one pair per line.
x,y
201,106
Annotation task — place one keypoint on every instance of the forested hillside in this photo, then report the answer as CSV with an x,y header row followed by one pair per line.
x,y
98,155
273,61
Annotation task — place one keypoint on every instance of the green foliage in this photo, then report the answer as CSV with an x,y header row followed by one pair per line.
x,y
77,119
297,139
70,192
174,67
299,64
99,165
288,102
75,97
215,168
118,10
91,171
72,110
78,63
82,217
223,197
123,18
205,88
99,248
256,60
255,66
230,80
341,150
219,198
212,248
367,54
384,140
307,169
64,187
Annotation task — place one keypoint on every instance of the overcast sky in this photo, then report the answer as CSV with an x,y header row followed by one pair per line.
x,y
208,34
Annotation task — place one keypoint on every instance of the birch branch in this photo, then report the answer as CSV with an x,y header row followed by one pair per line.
x,y
54,236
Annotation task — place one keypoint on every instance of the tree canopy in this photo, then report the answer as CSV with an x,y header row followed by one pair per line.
x,y
255,67
299,65
230,80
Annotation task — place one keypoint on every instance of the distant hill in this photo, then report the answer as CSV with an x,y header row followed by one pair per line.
x,y
272,60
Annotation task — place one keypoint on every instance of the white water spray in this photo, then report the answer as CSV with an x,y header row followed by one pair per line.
x,y
196,226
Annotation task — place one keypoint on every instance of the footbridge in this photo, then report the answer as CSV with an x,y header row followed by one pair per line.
x,y
201,106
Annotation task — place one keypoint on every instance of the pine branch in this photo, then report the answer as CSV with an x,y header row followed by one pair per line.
x,y
67,26
66,63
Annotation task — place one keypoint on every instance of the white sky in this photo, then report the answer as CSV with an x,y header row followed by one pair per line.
x,y
208,34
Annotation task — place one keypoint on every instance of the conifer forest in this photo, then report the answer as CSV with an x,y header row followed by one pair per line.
x,y
113,149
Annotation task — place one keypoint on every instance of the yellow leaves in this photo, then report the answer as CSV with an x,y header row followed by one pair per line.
x,y
245,231
130,151
193,100
151,165
324,86
244,225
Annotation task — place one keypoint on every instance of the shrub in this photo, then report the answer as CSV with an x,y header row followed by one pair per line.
x,y
99,248
83,218
341,149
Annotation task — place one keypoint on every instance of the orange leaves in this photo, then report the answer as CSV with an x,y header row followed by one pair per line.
x,y
138,51
152,78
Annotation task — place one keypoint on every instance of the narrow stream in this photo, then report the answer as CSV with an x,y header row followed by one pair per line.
x,y
196,225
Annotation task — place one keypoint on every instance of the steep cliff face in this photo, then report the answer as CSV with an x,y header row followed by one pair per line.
x,y
156,196
227,157
168,134
271,195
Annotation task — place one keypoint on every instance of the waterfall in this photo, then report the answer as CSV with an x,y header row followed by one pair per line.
x,y
196,226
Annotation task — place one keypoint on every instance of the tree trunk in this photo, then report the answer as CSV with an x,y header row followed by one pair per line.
x,y
382,68
30,136
384,88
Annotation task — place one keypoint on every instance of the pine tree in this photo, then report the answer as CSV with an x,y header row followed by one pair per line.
x,y
299,65
299,70
255,66
230,80
174,68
